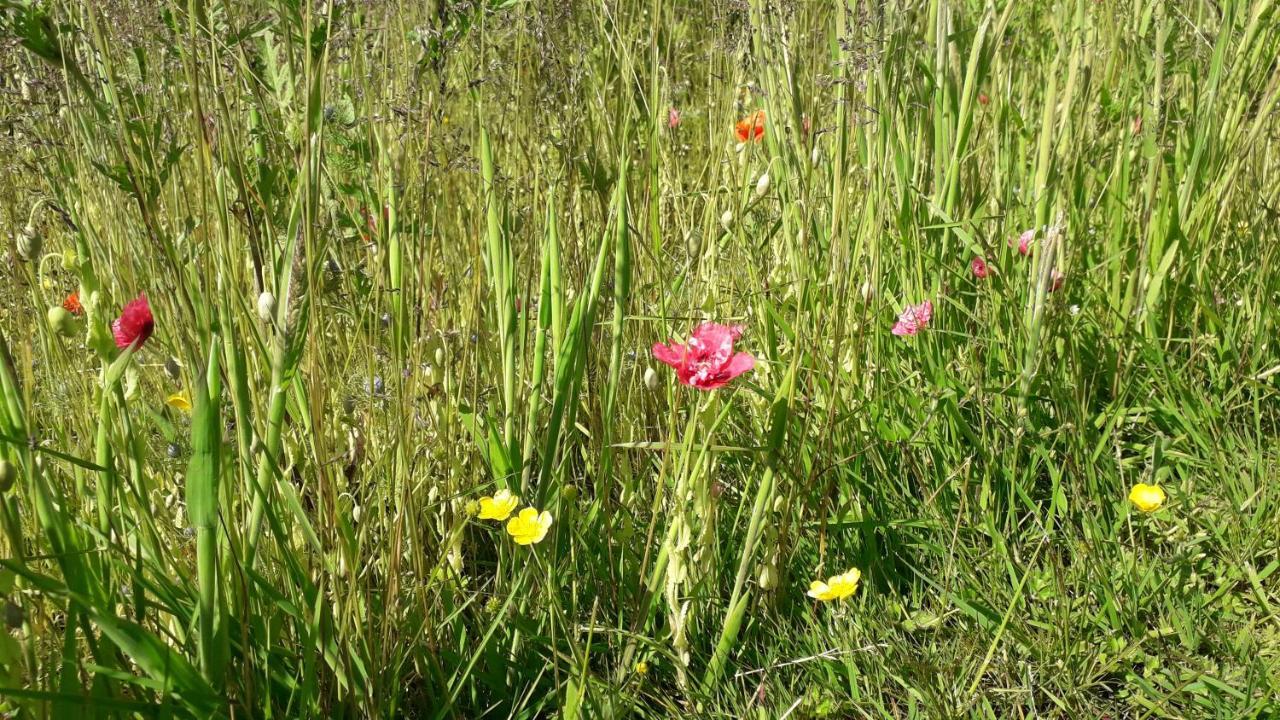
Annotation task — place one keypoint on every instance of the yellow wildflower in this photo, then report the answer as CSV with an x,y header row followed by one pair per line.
x,y
642,668
179,401
499,506
837,587
1147,498
529,527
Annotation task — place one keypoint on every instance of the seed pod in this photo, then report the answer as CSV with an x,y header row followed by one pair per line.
x,y
62,322
8,474
29,243
266,307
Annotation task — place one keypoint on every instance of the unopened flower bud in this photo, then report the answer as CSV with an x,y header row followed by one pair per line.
x,y
569,493
439,356
29,243
266,306
62,322
726,220
650,378
68,260
768,577
762,185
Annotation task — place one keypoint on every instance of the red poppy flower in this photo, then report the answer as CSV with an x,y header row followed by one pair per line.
x,y
72,304
708,360
751,127
135,323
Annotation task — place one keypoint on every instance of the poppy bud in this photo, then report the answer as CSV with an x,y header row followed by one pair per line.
x,y
266,307
62,322
8,474
29,243
762,185
868,292
768,578
439,356
68,260
650,378
356,512
726,220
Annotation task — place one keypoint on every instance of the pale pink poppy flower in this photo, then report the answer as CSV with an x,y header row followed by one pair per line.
x,y
1056,280
707,361
913,319
1025,240
673,118
979,267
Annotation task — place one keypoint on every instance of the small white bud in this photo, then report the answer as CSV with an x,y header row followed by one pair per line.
x,y
650,378
266,306
726,220
868,292
762,185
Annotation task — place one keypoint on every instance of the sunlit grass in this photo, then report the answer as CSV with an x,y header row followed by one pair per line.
x,y
640,359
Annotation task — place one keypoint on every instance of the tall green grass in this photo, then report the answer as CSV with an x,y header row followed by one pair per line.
x,y
402,256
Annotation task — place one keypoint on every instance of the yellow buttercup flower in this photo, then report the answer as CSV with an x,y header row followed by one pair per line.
x,y
1147,498
179,401
837,587
529,526
499,506
642,668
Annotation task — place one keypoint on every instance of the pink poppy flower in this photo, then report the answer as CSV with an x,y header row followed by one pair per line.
x,y
707,361
135,323
673,118
979,267
913,319
1056,280
1025,240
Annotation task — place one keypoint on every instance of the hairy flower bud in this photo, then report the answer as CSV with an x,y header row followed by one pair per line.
x,y
266,307
762,185
29,243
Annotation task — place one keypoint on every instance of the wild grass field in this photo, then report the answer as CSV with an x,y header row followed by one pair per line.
x,y
640,358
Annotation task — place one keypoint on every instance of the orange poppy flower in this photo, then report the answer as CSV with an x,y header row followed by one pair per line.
x,y
72,304
751,127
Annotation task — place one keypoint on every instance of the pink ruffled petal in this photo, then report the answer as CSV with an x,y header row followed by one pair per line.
x,y
673,356
738,364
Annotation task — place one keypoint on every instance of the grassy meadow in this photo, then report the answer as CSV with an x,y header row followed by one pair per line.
x,y
329,387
